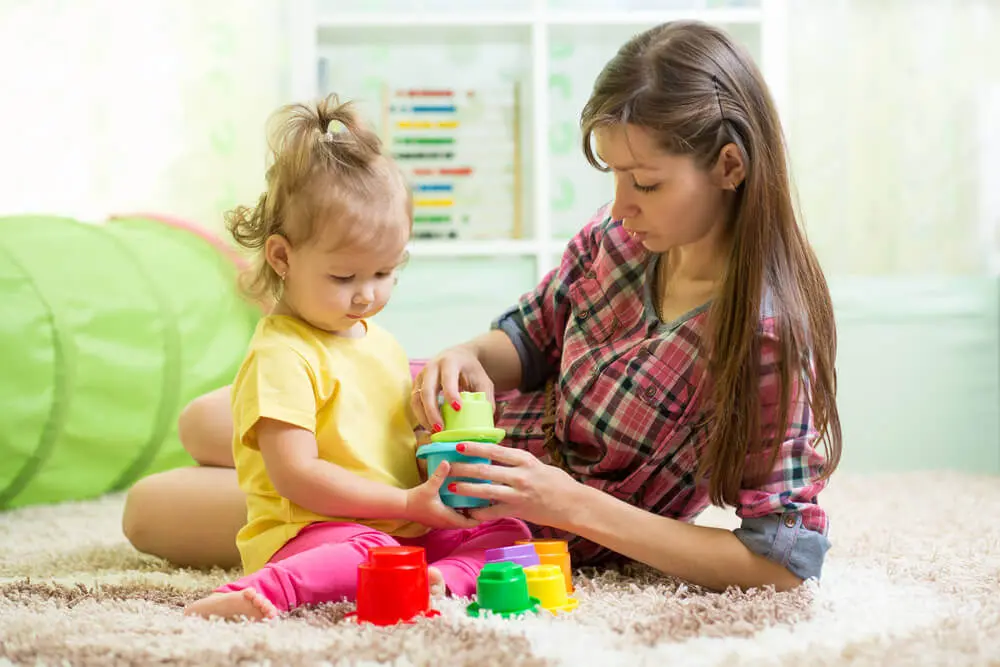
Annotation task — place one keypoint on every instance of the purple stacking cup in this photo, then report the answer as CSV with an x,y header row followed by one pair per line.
x,y
521,554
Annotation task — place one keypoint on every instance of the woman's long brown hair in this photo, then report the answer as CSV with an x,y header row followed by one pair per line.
x,y
696,90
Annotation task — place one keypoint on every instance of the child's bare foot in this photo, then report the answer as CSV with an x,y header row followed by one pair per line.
x,y
247,603
436,579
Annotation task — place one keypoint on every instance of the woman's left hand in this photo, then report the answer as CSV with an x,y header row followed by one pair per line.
x,y
523,486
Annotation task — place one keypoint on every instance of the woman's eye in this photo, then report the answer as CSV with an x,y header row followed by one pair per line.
x,y
645,188
341,279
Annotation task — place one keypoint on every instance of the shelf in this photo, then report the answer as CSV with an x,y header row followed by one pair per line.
x,y
483,248
524,19
551,49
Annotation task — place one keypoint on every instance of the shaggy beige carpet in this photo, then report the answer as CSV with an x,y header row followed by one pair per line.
x,y
913,579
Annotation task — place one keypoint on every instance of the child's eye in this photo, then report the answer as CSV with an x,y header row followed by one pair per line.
x,y
383,274
645,188
341,279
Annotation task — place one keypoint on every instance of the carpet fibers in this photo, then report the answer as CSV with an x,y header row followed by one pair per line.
x,y
913,579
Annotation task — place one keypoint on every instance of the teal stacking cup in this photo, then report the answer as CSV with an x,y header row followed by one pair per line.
x,y
437,452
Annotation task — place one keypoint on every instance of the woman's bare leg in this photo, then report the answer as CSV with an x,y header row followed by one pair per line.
x,y
190,516
205,428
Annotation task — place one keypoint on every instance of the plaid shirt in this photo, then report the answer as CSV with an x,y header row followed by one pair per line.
x,y
631,391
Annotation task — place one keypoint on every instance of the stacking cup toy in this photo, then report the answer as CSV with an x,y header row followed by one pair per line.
x,y
435,453
554,552
547,584
473,422
393,586
503,590
522,554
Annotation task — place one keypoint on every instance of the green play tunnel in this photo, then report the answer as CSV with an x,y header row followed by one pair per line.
x,y
106,331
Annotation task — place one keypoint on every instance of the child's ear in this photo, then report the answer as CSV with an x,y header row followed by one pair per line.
x,y
277,250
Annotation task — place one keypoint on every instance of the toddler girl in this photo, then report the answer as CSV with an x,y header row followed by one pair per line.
x,y
324,440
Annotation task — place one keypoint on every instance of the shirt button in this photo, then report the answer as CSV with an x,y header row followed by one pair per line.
x,y
790,520
650,392
584,314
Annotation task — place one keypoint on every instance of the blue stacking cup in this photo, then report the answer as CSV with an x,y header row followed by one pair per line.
x,y
437,452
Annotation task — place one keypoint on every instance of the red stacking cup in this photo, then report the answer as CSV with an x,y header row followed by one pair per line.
x,y
393,586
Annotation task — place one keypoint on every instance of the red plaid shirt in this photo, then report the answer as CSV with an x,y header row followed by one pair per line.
x,y
631,391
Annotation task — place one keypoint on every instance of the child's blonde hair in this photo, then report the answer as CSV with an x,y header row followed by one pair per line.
x,y
325,167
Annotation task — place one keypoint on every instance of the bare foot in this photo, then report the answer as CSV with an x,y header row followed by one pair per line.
x,y
436,579
247,603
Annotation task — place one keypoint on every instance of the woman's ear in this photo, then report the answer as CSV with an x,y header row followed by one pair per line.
x,y
730,170
277,251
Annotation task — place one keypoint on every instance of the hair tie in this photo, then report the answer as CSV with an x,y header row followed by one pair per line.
x,y
333,127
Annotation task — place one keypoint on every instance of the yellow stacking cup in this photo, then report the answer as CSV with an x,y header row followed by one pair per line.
x,y
547,584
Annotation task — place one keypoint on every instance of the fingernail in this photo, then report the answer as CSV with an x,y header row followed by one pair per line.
x,y
453,487
460,447
456,406
436,428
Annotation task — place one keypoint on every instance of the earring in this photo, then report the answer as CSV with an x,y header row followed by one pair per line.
x,y
282,276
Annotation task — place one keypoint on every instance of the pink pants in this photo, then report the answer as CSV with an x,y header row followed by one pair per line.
x,y
321,563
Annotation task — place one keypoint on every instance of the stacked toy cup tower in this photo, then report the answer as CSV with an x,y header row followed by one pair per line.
x,y
472,422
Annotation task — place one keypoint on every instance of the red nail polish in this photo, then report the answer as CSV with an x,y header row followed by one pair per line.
x,y
460,447
453,487
436,428
456,406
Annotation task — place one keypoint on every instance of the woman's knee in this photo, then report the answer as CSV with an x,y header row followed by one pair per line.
x,y
205,428
138,517
189,427
189,516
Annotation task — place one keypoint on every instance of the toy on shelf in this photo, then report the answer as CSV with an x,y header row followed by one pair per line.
x,y
554,552
502,589
461,152
474,422
393,586
547,585
524,555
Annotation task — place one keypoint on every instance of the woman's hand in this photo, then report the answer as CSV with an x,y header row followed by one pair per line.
x,y
424,506
523,486
454,370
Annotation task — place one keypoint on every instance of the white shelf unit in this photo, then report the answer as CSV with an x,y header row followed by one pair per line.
x,y
320,25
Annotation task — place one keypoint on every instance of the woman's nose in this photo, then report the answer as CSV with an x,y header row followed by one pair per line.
x,y
621,207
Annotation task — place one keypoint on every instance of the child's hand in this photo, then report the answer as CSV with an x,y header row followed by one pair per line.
x,y
424,506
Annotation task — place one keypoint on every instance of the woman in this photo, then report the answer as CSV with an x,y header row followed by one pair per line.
x,y
681,354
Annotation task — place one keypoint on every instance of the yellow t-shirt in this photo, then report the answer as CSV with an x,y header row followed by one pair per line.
x,y
353,393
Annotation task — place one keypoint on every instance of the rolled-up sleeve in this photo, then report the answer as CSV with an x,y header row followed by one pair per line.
x,y
781,516
537,324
